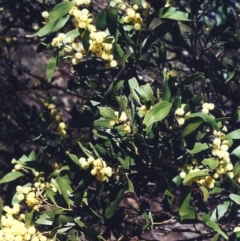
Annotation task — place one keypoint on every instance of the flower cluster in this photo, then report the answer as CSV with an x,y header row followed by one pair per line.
x,y
181,115
99,167
223,163
122,119
58,120
33,195
206,107
99,44
13,227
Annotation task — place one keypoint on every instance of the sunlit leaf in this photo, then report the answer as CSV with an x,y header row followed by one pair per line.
x,y
52,27
219,211
216,228
11,176
235,198
60,10
173,13
197,174
157,112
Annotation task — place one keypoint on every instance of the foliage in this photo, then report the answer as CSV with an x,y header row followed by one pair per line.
x,y
176,136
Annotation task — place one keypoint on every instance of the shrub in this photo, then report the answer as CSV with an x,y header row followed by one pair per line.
x,y
173,136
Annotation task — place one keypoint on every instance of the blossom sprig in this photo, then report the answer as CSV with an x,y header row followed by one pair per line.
x,y
99,168
224,166
181,115
13,226
99,45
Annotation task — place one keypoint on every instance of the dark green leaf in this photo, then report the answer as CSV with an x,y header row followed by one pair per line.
x,y
157,33
101,23
191,79
112,20
111,209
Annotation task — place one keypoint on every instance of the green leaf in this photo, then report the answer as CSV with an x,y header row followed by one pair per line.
x,y
50,194
233,183
198,147
191,79
123,59
192,126
157,112
235,198
111,209
166,92
52,64
112,20
130,185
86,151
65,188
146,93
233,135
205,193
75,159
211,162
173,13
44,219
60,10
169,196
72,34
124,163
79,222
11,176
122,102
177,180
216,228
28,218
236,152
114,87
186,211
52,27
216,237
101,23
206,118
102,123
157,33
236,169
107,113
1,208
85,40
193,175
219,211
